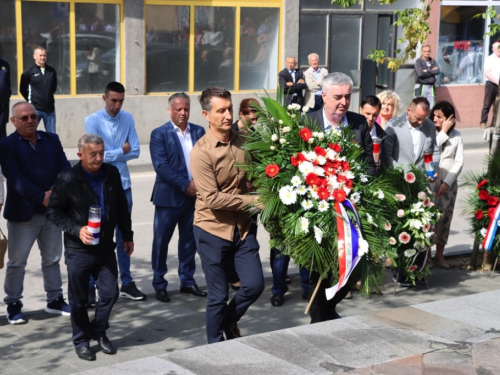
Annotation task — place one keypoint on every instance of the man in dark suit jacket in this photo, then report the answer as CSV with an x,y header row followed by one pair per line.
x,y
370,108
31,161
174,196
336,94
292,82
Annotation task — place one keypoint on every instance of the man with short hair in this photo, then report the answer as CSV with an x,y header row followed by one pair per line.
x,y
91,183
292,82
314,76
31,161
38,86
426,70
121,143
370,108
5,93
225,235
174,195
491,75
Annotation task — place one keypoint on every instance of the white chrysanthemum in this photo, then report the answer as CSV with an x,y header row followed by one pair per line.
x,y
282,141
355,197
287,195
348,174
318,234
304,224
272,148
306,167
346,189
319,171
307,205
323,206
312,193
301,190
310,155
332,181
363,178
296,181
362,247
286,129
422,195
274,138
305,109
321,160
415,223
410,253
321,136
330,154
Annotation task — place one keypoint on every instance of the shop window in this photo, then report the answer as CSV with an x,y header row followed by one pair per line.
x,y
461,45
8,39
259,48
313,37
167,48
97,38
345,47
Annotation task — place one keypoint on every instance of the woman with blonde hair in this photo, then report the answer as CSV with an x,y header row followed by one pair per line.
x,y
390,106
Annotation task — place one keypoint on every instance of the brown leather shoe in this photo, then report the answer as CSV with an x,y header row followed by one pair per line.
x,y
233,332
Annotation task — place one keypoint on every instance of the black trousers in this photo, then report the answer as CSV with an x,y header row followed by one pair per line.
x,y
105,271
4,119
490,93
322,309
217,257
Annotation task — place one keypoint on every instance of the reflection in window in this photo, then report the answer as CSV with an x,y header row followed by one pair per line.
x,y
8,40
313,37
461,48
45,24
345,45
214,47
97,46
383,43
259,48
167,48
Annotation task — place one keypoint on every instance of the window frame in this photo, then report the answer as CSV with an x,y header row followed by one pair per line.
x,y
72,38
237,19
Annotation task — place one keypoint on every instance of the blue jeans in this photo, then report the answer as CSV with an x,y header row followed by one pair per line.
x,y
22,236
123,259
49,120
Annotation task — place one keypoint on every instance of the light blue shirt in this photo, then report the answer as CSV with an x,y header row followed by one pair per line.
x,y
115,131
329,127
318,78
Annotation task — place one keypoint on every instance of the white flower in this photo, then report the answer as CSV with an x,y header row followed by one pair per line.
x,y
422,195
292,115
296,180
429,234
306,167
410,253
370,219
311,141
289,107
355,197
301,190
315,134
305,109
392,241
307,205
321,160
387,226
414,223
483,232
286,129
380,194
400,197
400,213
330,154
274,138
304,224
363,178
332,181
272,148
362,247
318,234
280,122
312,193
321,136
310,155
287,195
296,106
319,171
282,141
419,245
323,206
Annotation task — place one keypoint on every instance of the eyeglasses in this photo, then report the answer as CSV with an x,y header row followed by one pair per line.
x,y
25,118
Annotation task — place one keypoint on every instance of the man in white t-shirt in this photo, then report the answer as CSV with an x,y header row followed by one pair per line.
x,y
491,74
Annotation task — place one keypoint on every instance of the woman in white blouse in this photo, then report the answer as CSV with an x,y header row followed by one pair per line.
x,y
451,148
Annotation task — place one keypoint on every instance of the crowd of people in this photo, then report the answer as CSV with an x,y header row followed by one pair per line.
x,y
199,188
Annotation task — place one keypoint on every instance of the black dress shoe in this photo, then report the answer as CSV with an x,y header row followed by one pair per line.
x,y
277,299
105,344
84,352
305,296
194,290
162,295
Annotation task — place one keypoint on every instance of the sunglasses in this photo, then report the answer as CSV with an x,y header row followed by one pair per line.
x,y
25,118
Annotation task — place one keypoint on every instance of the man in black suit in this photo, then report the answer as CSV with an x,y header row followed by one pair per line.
x,y
370,108
335,113
292,82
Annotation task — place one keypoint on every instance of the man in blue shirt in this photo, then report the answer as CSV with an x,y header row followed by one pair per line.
x,y
117,128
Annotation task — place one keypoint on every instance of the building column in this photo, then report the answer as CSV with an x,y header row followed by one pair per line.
x,y
135,47
291,15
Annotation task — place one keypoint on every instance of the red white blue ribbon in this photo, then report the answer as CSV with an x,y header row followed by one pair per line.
x,y
349,234
492,230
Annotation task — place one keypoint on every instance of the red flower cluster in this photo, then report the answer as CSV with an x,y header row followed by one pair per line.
x,y
490,200
296,160
482,183
483,194
491,212
479,214
306,134
272,170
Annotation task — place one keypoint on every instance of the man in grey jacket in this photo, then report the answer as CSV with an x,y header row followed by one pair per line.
x,y
426,70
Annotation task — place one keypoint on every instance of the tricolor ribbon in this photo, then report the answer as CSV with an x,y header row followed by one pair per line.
x,y
94,227
349,235
492,230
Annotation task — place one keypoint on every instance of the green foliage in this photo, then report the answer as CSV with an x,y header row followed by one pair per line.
x,y
494,28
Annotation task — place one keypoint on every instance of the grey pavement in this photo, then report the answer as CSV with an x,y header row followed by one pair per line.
x,y
449,328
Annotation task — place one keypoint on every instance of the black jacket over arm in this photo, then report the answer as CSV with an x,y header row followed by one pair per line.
x,y
69,206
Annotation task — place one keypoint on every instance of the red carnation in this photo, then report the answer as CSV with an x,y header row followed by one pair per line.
x,y
320,151
306,134
323,193
492,201
301,157
491,212
482,183
345,165
348,184
312,179
294,161
321,181
335,147
272,170
483,194
412,268
341,178
479,214
339,195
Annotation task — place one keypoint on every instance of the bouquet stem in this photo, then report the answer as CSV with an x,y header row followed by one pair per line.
x,y
311,300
